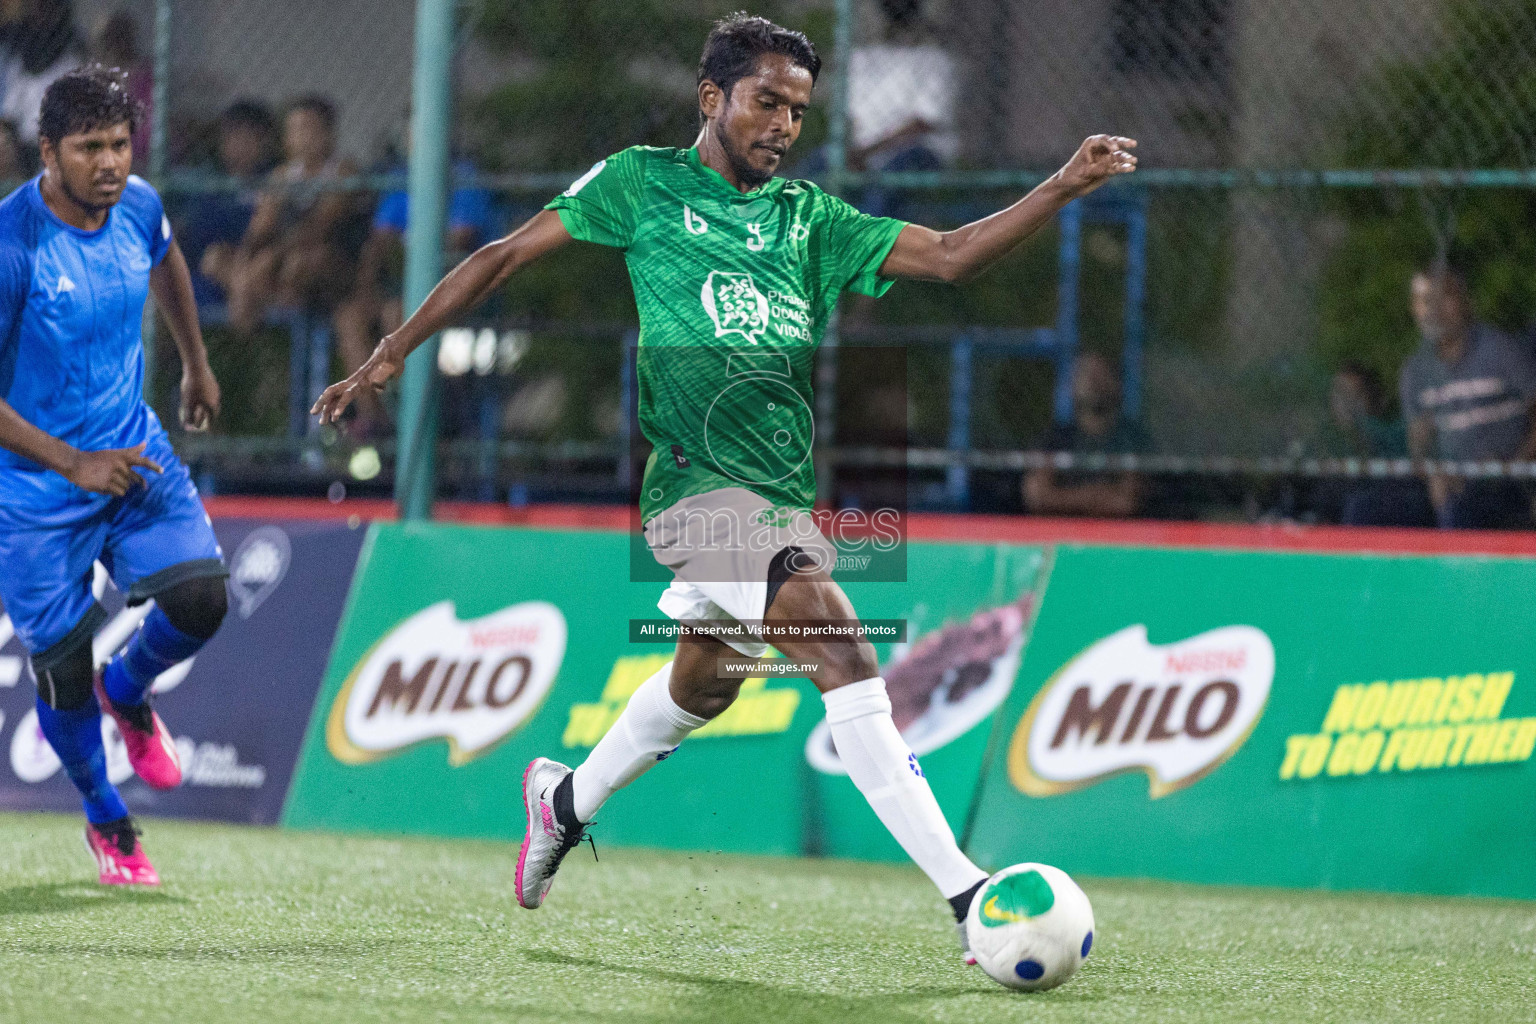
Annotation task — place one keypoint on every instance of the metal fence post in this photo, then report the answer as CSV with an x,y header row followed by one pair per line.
x,y
957,476
160,102
1069,261
837,169
431,111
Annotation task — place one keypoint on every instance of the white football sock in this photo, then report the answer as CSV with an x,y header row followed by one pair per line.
x,y
650,727
883,767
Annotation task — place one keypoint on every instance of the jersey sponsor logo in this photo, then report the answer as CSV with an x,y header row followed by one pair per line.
x,y
1174,711
472,683
581,182
735,305
692,222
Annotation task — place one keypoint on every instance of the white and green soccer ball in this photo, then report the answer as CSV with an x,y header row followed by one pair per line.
x,y
1030,926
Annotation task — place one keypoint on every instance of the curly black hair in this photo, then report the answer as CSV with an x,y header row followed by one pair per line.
x,y
737,42
85,99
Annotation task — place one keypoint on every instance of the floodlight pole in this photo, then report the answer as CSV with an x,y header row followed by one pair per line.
x,y
431,112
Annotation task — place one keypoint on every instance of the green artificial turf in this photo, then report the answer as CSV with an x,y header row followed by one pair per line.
x,y
259,926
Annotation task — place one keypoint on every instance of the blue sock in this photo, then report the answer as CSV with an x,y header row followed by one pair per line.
x,y
154,648
76,737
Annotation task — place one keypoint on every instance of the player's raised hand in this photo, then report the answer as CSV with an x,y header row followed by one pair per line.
x,y
112,471
199,398
380,368
1098,159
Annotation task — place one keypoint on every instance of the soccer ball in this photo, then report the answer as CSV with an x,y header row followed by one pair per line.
x,y
1030,927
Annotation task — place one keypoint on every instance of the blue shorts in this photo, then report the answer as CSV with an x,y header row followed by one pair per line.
x,y
152,538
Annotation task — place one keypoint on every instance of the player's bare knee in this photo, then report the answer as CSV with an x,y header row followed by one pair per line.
x,y
196,607
844,663
707,698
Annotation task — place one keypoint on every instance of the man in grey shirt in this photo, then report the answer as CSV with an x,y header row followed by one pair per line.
x,y
1467,394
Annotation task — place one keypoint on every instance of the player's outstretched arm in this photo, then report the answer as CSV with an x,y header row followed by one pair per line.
x,y
171,283
105,472
954,256
466,286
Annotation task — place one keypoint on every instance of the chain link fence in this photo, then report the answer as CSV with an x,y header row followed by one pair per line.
x,y
1300,160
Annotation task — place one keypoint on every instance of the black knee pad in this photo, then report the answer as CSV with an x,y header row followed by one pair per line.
x,y
195,606
65,677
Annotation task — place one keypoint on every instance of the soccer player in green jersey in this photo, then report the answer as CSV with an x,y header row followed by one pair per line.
x,y
736,273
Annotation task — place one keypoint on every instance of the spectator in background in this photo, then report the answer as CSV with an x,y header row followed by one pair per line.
x,y
300,249
41,45
115,44
901,106
215,222
1467,395
1098,427
1360,426
901,102
374,306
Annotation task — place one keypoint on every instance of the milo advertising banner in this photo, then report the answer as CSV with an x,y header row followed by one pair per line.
x,y
1273,719
466,651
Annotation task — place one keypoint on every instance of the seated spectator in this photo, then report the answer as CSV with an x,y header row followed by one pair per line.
x,y
1360,426
1467,394
901,96
1097,427
902,93
41,45
373,308
115,44
247,151
300,249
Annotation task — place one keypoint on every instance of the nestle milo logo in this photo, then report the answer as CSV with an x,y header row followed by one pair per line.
x,y
471,683
735,305
1174,711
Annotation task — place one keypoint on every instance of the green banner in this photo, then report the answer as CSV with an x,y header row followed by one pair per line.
x,y
1273,719
968,608
466,651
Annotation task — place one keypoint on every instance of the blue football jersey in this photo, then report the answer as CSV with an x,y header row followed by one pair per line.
x,y
71,350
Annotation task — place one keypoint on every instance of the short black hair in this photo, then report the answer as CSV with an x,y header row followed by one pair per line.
x,y
1370,383
318,105
1449,268
739,40
248,114
85,99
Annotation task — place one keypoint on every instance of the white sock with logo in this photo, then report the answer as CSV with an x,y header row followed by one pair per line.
x,y
650,727
884,768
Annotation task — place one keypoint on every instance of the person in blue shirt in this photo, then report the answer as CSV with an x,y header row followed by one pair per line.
x,y
86,470
374,306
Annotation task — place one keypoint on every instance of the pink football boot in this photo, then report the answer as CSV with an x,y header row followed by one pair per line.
x,y
119,854
151,750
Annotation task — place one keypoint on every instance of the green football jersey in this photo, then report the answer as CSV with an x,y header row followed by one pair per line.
x,y
734,290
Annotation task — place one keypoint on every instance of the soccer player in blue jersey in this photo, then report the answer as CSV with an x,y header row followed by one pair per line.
x,y
86,469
